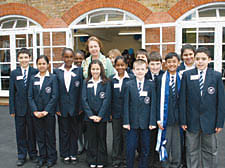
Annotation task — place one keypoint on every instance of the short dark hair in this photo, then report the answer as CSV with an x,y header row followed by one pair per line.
x,y
67,49
203,50
44,57
187,47
171,55
23,51
155,56
122,58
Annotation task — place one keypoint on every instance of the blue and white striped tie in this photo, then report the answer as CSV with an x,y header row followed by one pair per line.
x,y
173,85
201,83
139,87
25,78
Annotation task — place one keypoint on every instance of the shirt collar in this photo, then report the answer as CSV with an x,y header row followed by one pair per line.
x,y
22,69
204,71
92,80
118,78
63,67
39,76
142,81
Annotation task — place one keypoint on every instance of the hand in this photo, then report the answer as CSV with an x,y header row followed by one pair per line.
x,y
36,114
92,117
12,115
184,127
58,113
45,113
98,119
160,126
127,126
218,130
80,112
151,127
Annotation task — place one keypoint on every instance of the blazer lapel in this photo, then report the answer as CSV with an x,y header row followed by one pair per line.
x,y
196,82
44,84
206,82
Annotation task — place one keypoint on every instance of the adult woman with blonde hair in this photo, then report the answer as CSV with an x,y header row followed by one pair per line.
x,y
94,47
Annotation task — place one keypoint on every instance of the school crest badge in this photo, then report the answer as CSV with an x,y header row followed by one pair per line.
x,y
147,100
102,95
211,90
77,83
48,89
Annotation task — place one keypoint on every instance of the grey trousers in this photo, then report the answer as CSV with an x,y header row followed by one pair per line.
x,y
173,147
201,148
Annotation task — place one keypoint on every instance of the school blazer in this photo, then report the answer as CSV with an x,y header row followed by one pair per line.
x,y
117,100
139,111
96,104
181,67
18,93
69,103
43,99
204,112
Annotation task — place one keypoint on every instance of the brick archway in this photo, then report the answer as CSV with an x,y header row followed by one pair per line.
x,y
184,6
23,10
83,7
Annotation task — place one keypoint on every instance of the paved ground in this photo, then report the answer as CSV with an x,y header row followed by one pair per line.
x,y
8,149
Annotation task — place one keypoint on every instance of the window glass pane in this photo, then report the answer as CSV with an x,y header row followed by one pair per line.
x,y
21,41
115,17
21,23
190,17
207,13
153,35
38,39
8,25
223,52
4,55
30,40
223,34
59,38
46,38
222,12
189,35
31,24
166,49
151,48
57,54
168,34
97,19
5,83
83,21
4,42
206,35
5,69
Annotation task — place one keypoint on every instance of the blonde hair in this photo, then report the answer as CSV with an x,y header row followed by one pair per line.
x,y
93,38
114,52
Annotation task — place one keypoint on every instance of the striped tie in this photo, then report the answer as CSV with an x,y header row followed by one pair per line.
x,y
139,87
201,84
25,78
173,85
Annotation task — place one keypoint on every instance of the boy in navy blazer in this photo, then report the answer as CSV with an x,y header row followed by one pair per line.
x,y
70,79
202,110
169,143
139,110
18,105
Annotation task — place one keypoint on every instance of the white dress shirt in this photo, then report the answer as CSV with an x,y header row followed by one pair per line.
x,y
121,79
42,78
95,83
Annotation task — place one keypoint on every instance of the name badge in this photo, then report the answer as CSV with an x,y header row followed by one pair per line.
x,y
90,85
194,77
37,83
73,74
19,78
116,85
143,93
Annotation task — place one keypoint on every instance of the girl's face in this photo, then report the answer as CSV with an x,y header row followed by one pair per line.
x,y
68,58
42,65
78,59
94,48
120,66
188,57
95,71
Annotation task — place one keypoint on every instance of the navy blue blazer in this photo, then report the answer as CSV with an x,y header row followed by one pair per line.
x,y
204,112
18,92
96,104
139,111
43,99
181,67
117,100
69,103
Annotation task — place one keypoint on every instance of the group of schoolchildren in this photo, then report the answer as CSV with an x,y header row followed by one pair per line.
x,y
176,113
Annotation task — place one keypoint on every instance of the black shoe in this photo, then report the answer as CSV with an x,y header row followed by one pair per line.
x,y
20,162
34,159
50,164
40,164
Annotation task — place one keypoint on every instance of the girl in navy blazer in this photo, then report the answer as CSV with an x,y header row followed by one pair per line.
x,y
42,97
118,82
96,97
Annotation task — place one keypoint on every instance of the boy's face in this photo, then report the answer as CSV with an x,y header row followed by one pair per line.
x,y
140,71
155,66
143,57
202,60
24,59
78,59
172,64
188,57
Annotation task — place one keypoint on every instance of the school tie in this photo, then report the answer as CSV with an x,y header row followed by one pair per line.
x,y
155,76
173,85
139,87
25,78
201,84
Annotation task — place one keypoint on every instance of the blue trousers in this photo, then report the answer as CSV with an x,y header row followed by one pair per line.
x,y
132,143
